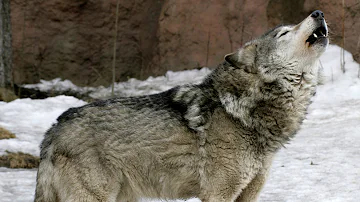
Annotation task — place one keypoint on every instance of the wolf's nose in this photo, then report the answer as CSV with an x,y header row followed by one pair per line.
x,y
317,15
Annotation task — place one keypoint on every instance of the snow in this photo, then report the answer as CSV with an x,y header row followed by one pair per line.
x,y
29,119
132,87
322,163
58,85
17,185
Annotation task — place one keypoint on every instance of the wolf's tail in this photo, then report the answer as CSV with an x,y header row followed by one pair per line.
x,y
45,191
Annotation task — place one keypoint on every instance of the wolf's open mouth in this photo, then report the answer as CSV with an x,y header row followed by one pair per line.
x,y
320,32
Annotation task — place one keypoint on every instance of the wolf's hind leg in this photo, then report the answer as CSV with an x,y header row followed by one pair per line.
x,y
80,191
85,179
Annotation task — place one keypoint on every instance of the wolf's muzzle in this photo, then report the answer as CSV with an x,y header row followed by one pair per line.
x,y
320,34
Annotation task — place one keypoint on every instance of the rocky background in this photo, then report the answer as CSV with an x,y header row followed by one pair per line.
x,y
74,39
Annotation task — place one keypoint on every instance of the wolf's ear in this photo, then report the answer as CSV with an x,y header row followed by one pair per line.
x,y
243,57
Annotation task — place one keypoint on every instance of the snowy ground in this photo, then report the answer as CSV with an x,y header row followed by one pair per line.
x,y
322,163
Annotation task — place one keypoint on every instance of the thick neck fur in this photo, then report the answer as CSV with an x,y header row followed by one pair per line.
x,y
270,105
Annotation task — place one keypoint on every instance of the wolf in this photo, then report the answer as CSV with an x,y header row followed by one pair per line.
x,y
214,140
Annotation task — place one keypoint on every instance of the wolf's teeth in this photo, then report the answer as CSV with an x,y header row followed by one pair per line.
x,y
315,35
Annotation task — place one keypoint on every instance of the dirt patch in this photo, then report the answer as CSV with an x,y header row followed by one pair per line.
x,y
5,134
19,160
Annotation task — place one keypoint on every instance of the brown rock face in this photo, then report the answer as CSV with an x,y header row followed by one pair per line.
x,y
74,39
199,33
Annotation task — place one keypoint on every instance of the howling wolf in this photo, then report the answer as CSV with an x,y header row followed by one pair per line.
x,y
214,140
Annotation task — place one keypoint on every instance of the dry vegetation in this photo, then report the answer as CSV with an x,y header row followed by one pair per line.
x,y
5,134
7,95
19,160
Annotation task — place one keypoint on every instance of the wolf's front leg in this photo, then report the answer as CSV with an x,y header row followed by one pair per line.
x,y
222,185
252,190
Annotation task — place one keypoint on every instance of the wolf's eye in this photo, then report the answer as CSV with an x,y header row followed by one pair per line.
x,y
283,34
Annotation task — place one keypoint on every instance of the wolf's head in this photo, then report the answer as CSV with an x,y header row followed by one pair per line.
x,y
289,47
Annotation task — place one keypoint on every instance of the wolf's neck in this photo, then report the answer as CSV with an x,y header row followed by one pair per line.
x,y
271,107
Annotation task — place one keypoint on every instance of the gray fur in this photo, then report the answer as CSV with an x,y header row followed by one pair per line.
x,y
214,140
